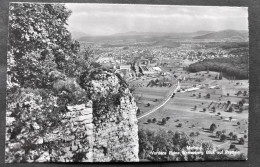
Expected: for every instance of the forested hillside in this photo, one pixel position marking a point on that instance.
(233, 67)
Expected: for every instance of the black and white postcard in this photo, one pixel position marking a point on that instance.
(93, 82)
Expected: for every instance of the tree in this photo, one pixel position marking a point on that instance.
(241, 141)
(213, 127)
(232, 147)
(208, 96)
(138, 112)
(230, 134)
(231, 109)
(148, 104)
(214, 109)
(218, 133)
(223, 138)
(154, 120)
(234, 137)
(149, 121)
(179, 125)
(163, 121)
(240, 103)
(39, 42)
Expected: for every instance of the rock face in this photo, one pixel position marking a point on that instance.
(116, 134)
(102, 130)
(114, 118)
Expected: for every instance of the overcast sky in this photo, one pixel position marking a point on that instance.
(107, 19)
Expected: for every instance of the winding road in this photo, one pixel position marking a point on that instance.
(168, 97)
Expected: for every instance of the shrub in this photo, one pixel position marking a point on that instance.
(197, 133)
(179, 125)
(167, 118)
(148, 104)
(238, 123)
(245, 136)
(192, 134)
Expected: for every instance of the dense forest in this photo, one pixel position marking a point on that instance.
(234, 67)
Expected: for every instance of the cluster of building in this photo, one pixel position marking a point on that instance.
(134, 61)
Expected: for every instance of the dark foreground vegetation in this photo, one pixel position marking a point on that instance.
(164, 145)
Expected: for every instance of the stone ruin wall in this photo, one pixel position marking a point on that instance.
(108, 140)
(116, 136)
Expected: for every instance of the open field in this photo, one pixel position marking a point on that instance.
(152, 95)
(181, 109)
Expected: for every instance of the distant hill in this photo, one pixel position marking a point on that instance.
(226, 34)
(77, 34)
(161, 36)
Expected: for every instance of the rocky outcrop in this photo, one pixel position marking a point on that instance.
(116, 133)
(103, 129)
